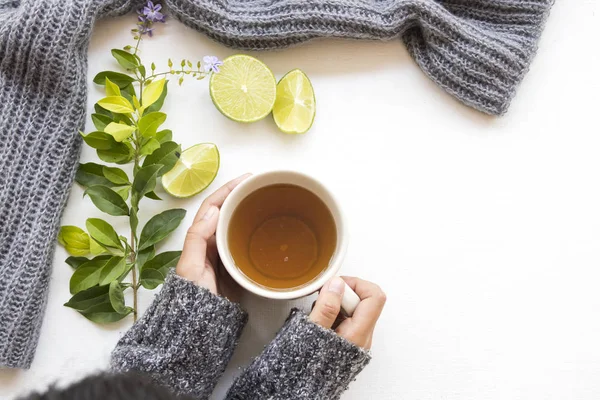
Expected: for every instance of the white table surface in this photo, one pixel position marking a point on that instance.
(484, 232)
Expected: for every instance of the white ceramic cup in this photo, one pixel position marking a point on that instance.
(255, 182)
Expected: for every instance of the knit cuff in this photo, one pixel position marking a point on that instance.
(304, 361)
(184, 340)
(478, 51)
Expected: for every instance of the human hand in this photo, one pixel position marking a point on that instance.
(199, 261)
(359, 328)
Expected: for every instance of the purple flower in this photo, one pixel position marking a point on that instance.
(211, 63)
(151, 13)
(146, 30)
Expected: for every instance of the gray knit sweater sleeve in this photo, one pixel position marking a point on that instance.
(304, 361)
(43, 46)
(184, 340)
(477, 50)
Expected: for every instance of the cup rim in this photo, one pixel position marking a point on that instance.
(231, 203)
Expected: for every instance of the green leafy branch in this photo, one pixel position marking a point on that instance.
(127, 123)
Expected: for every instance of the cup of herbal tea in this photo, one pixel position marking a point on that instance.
(282, 235)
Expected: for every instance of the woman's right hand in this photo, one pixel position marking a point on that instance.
(359, 328)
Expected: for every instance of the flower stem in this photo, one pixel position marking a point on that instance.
(173, 72)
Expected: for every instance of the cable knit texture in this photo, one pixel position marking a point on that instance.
(477, 50)
(187, 337)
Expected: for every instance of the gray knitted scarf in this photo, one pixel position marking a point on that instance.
(477, 50)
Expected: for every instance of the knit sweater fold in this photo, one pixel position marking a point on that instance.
(477, 50)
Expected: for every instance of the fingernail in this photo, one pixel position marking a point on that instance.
(336, 285)
(209, 213)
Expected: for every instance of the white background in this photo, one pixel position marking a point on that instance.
(483, 231)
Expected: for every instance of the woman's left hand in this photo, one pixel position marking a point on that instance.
(199, 260)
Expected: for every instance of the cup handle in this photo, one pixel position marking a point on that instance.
(349, 301)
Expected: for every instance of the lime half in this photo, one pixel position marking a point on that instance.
(194, 171)
(295, 107)
(244, 89)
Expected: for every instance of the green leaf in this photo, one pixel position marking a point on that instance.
(117, 299)
(157, 105)
(96, 248)
(150, 122)
(125, 59)
(152, 195)
(107, 200)
(90, 174)
(118, 131)
(162, 263)
(115, 175)
(164, 136)
(100, 121)
(144, 181)
(112, 89)
(85, 299)
(114, 268)
(104, 313)
(144, 255)
(142, 70)
(74, 240)
(123, 191)
(102, 232)
(99, 140)
(118, 78)
(166, 155)
(160, 226)
(149, 147)
(152, 93)
(116, 104)
(88, 274)
(121, 153)
(76, 262)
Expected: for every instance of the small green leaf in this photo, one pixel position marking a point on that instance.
(116, 104)
(123, 191)
(76, 262)
(152, 278)
(114, 268)
(118, 78)
(102, 232)
(153, 196)
(166, 155)
(125, 59)
(160, 226)
(162, 263)
(156, 106)
(180, 80)
(152, 93)
(104, 313)
(149, 123)
(85, 299)
(117, 299)
(99, 140)
(100, 121)
(88, 274)
(120, 153)
(170, 63)
(90, 174)
(144, 255)
(119, 132)
(115, 175)
(136, 102)
(149, 147)
(164, 136)
(107, 200)
(153, 66)
(142, 70)
(112, 89)
(75, 241)
(144, 181)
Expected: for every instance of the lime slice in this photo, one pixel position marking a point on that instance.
(295, 107)
(194, 171)
(244, 89)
